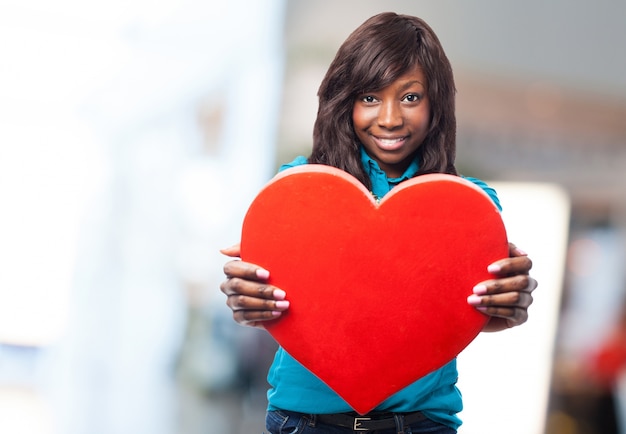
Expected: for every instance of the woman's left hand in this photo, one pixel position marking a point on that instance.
(506, 299)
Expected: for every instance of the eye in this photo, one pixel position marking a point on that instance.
(413, 97)
(368, 99)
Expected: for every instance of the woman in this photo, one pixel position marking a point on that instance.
(386, 114)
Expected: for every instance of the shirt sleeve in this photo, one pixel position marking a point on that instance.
(490, 191)
(298, 161)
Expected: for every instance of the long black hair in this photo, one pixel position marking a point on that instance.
(378, 52)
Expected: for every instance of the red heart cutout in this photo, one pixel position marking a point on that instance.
(378, 292)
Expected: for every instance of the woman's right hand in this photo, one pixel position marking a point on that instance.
(252, 300)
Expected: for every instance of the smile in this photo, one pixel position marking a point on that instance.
(390, 144)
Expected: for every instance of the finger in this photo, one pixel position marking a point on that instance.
(253, 303)
(503, 318)
(233, 251)
(532, 285)
(255, 318)
(520, 282)
(245, 270)
(505, 312)
(511, 266)
(515, 251)
(249, 288)
(243, 302)
(508, 300)
(515, 315)
(252, 310)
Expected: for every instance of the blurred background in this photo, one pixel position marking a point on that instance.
(134, 134)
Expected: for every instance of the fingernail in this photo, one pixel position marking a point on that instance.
(282, 304)
(521, 252)
(276, 313)
(279, 294)
(480, 289)
(482, 309)
(474, 300)
(262, 274)
(494, 268)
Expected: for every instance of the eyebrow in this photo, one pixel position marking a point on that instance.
(411, 83)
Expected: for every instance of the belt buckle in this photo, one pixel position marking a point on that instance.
(357, 423)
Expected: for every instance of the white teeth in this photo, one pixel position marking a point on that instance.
(389, 141)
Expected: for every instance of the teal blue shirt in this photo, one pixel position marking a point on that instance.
(295, 388)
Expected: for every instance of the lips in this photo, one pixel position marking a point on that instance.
(389, 143)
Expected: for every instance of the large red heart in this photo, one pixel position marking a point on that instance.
(378, 292)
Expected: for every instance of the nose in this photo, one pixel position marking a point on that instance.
(390, 115)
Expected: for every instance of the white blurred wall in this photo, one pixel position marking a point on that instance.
(113, 197)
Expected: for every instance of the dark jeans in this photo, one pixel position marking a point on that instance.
(287, 422)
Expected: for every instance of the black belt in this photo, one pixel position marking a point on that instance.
(369, 422)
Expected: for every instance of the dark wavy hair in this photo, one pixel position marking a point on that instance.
(382, 49)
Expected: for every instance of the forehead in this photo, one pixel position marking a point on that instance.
(412, 76)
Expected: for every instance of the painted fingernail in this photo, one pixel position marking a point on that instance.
(521, 252)
(474, 300)
(282, 304)
(482, 309)
(480, 289)
(262, 274)
(279, 294)
(276, 313)
(494, 268)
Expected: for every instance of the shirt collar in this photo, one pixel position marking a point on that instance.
(381, 185)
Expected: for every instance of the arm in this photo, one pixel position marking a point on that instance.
(249, 296)
(507, 298)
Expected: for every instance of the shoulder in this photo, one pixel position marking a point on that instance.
(298, 161)
(489, 190)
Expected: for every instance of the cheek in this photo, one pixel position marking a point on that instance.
(421, 119)
(361, 117)
(356, 117)
(360, 123)
(427, 115)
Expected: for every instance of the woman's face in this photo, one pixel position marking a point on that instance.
(392, 122)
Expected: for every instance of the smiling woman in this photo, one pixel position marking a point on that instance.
(385, 116)
(388, 50)
(392, 122)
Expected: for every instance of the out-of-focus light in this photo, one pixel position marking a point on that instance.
(543, 99)
(585, 254)
(23, 411)
(46, 177)
(519, 360)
